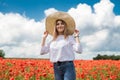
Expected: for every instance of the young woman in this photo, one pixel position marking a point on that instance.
(63, 45)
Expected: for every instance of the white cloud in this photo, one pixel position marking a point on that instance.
(117, 21)
(82, 15)
(95, 40)
(49, 11)
(104, 15)
(14, 26)
(24, 49)
(99, 27)
(91, 55)
(20, 36)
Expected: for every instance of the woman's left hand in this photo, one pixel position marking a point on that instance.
(76, 32)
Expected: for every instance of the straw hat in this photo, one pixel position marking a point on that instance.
(51, 19)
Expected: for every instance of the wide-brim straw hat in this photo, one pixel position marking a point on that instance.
(51, 19)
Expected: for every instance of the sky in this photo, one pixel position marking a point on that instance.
(22, 23)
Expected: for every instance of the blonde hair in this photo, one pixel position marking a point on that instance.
(65, 32)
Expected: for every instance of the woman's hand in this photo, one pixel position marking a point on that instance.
(45, 34)
(76, 33)
(44, 38)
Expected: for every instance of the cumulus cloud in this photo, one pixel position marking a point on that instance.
(15, 27)
(99, 27)
(82, 15)
(92, 42)
(90, 55)
(117, 21)
(104, 14)
(49, 11)
(20, 36)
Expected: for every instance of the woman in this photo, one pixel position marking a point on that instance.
(61, 48)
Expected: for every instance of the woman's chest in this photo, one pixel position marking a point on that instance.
(59, 44)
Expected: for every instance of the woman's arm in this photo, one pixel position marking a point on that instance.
(77, 46)
(44, 48)
(76, 36)
(44, 38)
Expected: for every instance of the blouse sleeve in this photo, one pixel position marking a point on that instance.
(45, 49)
(76, 46)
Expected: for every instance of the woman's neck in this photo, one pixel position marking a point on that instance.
(60, 33)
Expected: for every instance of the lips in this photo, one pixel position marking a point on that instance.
(60, 27)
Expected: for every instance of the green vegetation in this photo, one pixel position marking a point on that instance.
(2, 53)
(106, 57)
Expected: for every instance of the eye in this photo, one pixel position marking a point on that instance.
(57, 24)
(62, 23)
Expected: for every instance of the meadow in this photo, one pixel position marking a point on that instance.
(39, 69)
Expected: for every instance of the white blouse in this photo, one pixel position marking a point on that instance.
(61, 49)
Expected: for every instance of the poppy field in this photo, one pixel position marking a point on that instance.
(36, 69)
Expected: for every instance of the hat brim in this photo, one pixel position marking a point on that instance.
(51, 19)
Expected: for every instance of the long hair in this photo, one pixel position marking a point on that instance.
(56, 33)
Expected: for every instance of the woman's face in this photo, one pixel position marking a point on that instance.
(60, 26)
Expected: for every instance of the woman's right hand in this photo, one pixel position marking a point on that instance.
(45, 34)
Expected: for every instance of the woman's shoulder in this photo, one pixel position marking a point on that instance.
(71, 37)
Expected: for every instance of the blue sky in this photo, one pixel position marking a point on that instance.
(22, 23)
(35, 8)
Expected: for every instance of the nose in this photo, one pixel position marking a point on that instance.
(60, 24)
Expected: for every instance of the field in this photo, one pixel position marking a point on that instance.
(36, 69)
